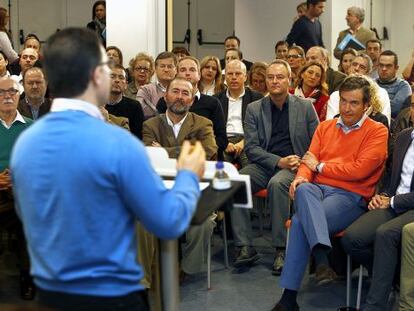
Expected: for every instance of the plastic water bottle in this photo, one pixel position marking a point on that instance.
(221, 180)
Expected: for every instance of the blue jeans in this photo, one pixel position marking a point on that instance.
(320, 212)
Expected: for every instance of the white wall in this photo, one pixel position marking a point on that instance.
(136, 26)
(260, 24)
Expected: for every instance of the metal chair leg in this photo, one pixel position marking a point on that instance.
(348, 281)
(209, 264)
(358, 304)
(226, 254)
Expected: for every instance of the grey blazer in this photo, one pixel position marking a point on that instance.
(303, 121)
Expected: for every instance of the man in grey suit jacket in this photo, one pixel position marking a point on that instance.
(278, 132)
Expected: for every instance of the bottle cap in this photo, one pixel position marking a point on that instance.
(219, 165)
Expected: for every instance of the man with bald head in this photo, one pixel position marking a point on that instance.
(28, 58)
(277, 131)
(333, 78)
(234, 102)
(12, 124)
(34, 104)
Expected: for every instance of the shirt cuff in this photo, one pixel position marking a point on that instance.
(392, 202)
(319, 167)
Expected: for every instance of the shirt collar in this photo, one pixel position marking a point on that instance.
(29, 103)
(18, 118)
(340, 123)
(197, 94)
(234, 99)
(170, 123)
(64, 104)
(412, 134)
(160, 86)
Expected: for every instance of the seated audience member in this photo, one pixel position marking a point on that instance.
(210, 81)
(141, 69)
(3, 66)
(329, 190)
(407, 269)
(12, 124)
(405, 119)
(408, 72)
(374, 49)
(98, 23)
(233, 42)
(149, 95)
(80, 225)
(180, 52)
(311, 85)
(355, 17)
(115, 55)
(122, 106)
(275, 140)
(257, 78)
(374, 239)
(169, 131)
(33, 42)
(27, 60)
(34, 104)
(281, 50)
(234, 102)
(296, 59)
(307, 30)
(300, 10)
(333, 78)
(361, 65)
(398, 89)
(231, 54)
(204, 105)
(345, 60)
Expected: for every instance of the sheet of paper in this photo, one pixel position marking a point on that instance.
(170, 183)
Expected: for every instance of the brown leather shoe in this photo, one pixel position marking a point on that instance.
(324, 275)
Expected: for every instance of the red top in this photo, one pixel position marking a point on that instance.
(353, 161)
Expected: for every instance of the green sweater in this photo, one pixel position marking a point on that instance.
(7, 139)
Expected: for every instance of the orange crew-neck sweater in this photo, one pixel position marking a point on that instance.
(353, 161)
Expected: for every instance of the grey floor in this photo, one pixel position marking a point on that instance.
(242, 290)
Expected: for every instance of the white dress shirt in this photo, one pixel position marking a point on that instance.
(234, 116)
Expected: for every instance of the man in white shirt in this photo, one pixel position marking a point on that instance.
(234, 102)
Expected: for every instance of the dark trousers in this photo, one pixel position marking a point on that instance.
(135, 301)
(374, 240)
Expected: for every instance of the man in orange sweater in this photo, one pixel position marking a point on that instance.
(337, 176)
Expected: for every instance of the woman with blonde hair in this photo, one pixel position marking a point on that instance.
(310, 84)
(257, 78)
(211, 80)
(5, 38)
(141, 69)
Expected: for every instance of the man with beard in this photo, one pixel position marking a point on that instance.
(169, 130)
(34, 104)
(122, 106)
(203, 105)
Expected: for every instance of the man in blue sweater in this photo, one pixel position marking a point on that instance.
(307, 30)
(80, 183)
(399, 90)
